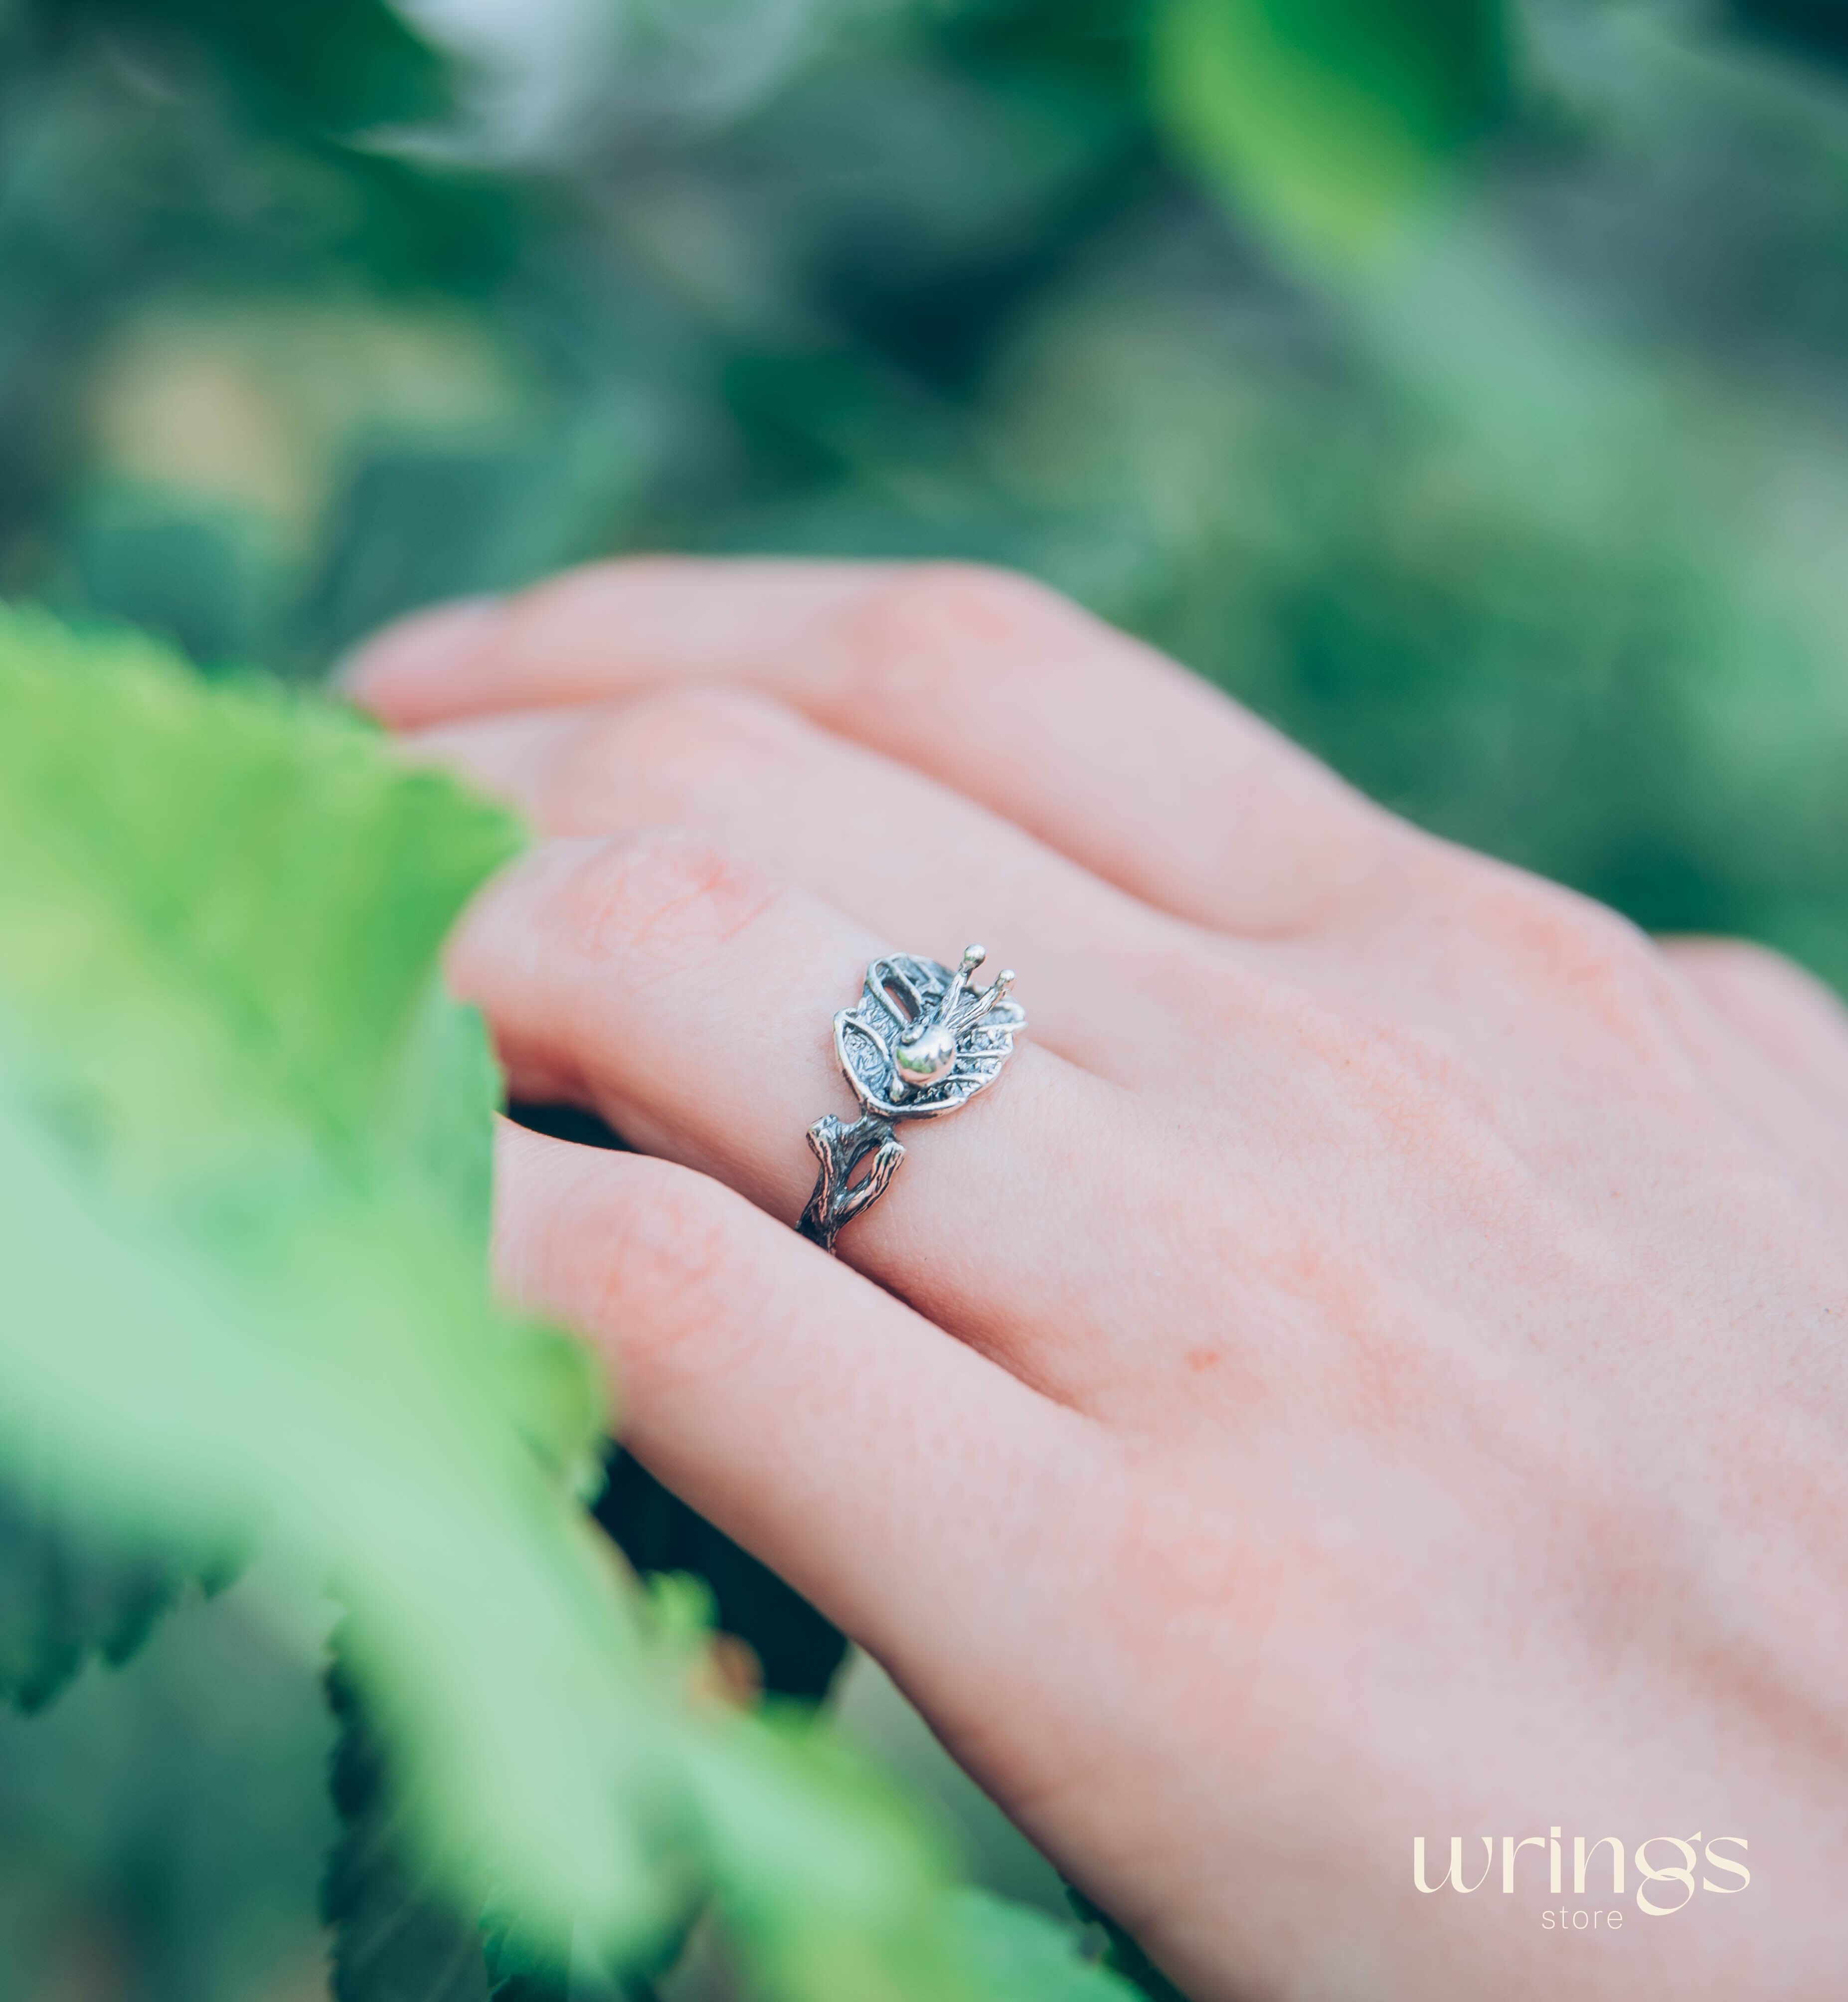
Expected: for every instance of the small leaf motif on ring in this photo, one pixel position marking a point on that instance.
(922, 1040)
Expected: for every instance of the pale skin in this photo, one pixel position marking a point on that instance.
(1373, 1365)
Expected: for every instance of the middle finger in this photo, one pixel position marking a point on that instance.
(904, 855)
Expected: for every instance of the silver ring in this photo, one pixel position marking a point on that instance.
(920, 1043)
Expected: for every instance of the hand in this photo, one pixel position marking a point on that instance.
(1372, 1366)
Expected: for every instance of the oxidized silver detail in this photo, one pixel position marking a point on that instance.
(920, 1042)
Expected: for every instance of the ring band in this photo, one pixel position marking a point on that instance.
(920, 1043)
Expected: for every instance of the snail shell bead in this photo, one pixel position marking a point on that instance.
(926, 1057)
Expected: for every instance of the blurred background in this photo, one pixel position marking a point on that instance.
(1463, 384)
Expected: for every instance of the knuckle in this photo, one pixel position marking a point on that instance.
(1750, 992)
(530, 617)
(928, 612)
(568, 610)
(673, 892)
(672, 728)
(1588, 960)
(669, 1268)
(1741, 963)
(670, 1272)
(586, 586)
(1353, 864)
(1409, 1092)
(677, 743)
(1739, 959)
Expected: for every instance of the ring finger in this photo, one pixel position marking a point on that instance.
(689, 1001)
(889, 847)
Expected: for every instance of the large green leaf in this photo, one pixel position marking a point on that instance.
(67, 1595)
(398, 1934)
(243, 1212)
(241, 1283)
(1334, 122)
(1024, 1952)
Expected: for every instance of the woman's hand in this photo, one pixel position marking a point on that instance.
(1373, 1366)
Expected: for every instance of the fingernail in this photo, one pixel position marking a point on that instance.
(412, 648)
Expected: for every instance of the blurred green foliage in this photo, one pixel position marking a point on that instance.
(245, 1143)
(1459, 384)
(1333, 119)
(1462, 386)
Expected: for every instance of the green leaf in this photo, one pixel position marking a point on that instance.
(243, 1143)
(1334, 123)
(1023, 1954)
(1122, 1954)
(240, 1287)
(398, 1937)
(399, 1934)
(68, 1595)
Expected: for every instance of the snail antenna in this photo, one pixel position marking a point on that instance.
(973, 956)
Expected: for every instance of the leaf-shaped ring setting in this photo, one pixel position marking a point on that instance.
(920, 1042)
